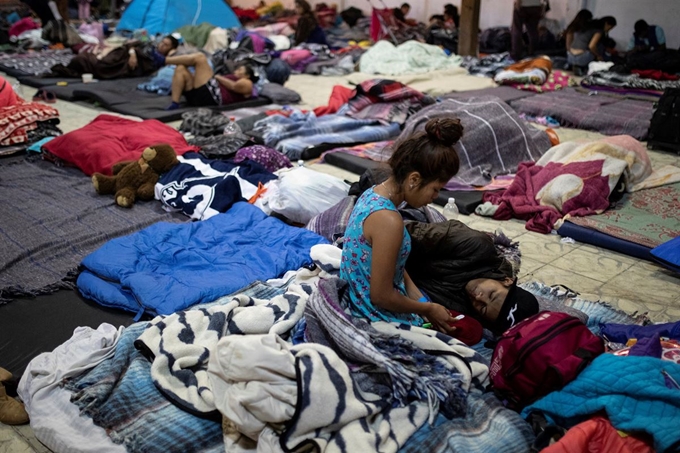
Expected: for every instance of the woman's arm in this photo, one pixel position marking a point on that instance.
(569, 37)
(411, 288)
(241, 86)
(385, 231)
(593, 45)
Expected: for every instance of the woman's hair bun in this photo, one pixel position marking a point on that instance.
(446, 131)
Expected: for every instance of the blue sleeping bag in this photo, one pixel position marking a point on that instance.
(169, 267)
(668, 254)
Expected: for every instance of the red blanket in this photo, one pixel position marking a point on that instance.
(339, 97)
(543, 195)
(16, 120)
(111, 139)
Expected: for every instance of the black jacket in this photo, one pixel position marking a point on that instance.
(446, 256)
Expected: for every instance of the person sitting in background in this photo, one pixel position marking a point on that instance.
(647, 50)
(579, 24)
(401, 12)
(436, 21)
(308, 29)
(451, 17)
(647, 38)
(588, 44)
(204, 88)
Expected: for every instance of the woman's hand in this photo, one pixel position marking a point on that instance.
(439, 317)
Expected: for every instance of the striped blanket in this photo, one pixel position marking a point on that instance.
(17, 120)
(333, 392)
(180, 345)
(120, 396)
(51, 219)
(495, 139)
(487, 426)
(604, 114)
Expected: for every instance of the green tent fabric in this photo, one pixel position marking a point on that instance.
(196, 35)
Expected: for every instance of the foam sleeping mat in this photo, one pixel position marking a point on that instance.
(12, 71)
(466, 201)
(55, 316)
(593, 237)
(122, 96)
(65, 93)
(40, 82)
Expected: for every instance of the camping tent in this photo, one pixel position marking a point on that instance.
(166, 16)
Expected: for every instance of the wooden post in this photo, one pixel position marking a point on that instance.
(468, 36)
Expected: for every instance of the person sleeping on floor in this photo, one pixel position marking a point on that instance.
(195, 79)
(134, 59)
(428, 274)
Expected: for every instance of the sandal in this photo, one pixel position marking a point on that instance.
(45, 96)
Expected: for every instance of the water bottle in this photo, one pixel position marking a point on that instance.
(451, 210)
(232, 129)
(300, 163)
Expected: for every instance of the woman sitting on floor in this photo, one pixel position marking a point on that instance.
(308, 29)
(205, 88)
(376, 244)
(588, 44)
(579, 23)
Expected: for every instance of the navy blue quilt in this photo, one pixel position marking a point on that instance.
(169, 267)
(201, 187)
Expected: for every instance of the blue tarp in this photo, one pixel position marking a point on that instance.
(166, 16)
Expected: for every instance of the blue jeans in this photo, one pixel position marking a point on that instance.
(580, 60)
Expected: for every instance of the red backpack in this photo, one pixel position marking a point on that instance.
(539, 355)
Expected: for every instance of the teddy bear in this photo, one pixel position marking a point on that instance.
(133, 180)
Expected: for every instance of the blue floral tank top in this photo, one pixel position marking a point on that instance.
(355, 267)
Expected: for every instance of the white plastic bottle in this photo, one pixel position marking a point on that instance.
(232, 129)
(451, 210)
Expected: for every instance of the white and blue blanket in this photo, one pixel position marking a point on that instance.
(202, 188)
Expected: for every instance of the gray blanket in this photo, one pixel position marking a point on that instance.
(592, 112)
(495, 139)
(50, 218)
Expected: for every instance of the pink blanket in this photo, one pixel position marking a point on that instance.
(543, 195)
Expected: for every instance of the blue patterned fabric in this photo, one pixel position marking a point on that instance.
(631, 390)
(121, 397)
(486, 422)
(355, 267)
(292, 135)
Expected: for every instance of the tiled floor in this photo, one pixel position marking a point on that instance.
(597, 274)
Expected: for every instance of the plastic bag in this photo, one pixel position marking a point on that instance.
(303, 193)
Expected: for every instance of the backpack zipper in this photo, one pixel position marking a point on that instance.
(535, 343)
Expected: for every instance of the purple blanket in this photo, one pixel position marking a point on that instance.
(604, 114)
